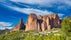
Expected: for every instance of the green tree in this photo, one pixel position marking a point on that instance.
(66, 25)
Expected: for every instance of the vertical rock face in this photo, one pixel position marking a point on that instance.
(42, 23)
(40, 20)
(54, 21)
(46, 23)
(19, 26)
(44, 26)
(32, 23)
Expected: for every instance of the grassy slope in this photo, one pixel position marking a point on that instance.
(33, 35)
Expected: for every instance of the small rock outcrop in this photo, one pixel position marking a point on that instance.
(19, 26)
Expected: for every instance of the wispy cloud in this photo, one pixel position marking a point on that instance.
(31, 10)
(60, 14)
(39, 2)
(59, 5)
(35, 11)
(4, 25)
(44, 2)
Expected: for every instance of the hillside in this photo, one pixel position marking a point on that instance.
(33, 35)
(63, 33)
(4, 31)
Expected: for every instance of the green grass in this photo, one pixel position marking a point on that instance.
(33, 35)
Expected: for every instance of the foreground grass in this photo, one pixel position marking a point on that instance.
(34, 35)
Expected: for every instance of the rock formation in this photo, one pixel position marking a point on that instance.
(40, 20)
(42, 23)
(43, 26)
(32, 22)
(54, 20)
(19, 26)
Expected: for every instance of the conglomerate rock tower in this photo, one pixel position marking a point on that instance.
(40, 23)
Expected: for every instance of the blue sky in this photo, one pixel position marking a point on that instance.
(12, 10)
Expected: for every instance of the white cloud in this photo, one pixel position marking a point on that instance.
(60, 14)
(59, 4)
(44, 2)
(4, 25)
(32, 10)
(35, 11)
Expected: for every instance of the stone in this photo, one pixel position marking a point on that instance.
(40, 20)
(49, 27)
(32, 23)
(39, 27)
(44, 26)
(42, 23)
(19, 26)
(48, 23)
(56, 20)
